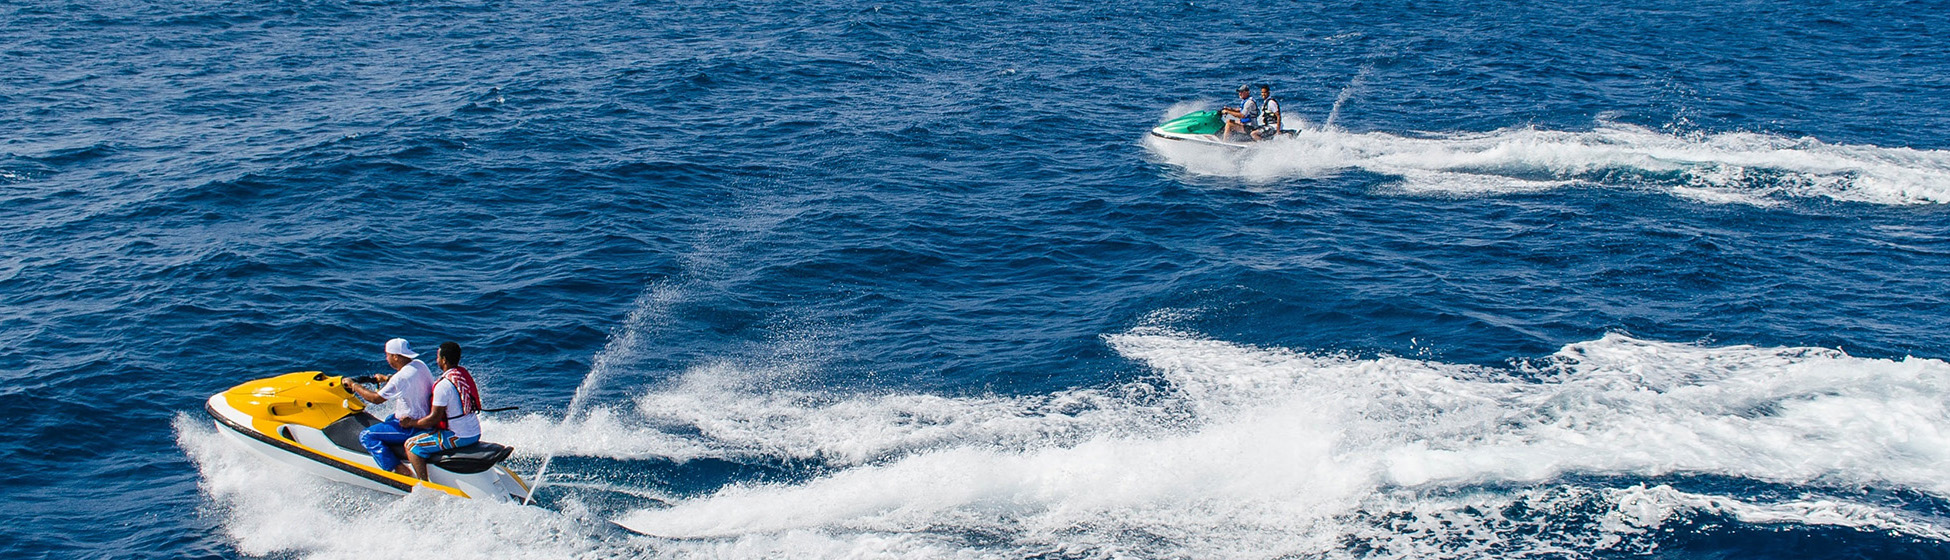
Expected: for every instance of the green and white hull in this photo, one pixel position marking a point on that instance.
(1201, 127)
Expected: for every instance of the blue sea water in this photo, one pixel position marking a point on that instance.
(848, 279)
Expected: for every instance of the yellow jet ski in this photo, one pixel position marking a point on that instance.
(310, 421)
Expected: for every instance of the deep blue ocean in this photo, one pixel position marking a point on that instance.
(1609, 279)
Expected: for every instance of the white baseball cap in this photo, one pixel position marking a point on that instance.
(399, 346)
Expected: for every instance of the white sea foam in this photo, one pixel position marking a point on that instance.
(1645, 507)
(736, 411)
(1274, 450)
(1615, 405)
(1731, 167)
(1230, 451)
(269, 510)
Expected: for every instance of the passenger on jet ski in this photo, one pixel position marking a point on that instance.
(454, 420)
(1241, 119)
(411, 389)
(1269, 114)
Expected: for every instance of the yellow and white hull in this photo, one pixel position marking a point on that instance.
(285, 419)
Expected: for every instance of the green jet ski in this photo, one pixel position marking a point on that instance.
(1201, 127)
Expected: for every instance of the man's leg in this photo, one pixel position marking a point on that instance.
(413, 452)
(376, 439)
(1241, 126)
(428, 443)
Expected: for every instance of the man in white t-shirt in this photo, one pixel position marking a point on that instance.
(454, 421)
(1269, 115)
(410, 389)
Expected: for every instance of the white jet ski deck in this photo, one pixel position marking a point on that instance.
(309, 421)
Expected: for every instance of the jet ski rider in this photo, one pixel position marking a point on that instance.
(455, 421)
(1241, 119)
(1269, 114)
(411, 389)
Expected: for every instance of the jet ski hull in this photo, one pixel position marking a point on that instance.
(1199, 139)
(285, 419)
(1200, 128)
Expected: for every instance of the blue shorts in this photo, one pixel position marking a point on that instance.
(429, 443)
(377, 438)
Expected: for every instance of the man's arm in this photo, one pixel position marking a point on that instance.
(430, 422)
(368, 394)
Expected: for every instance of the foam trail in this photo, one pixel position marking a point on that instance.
(737, 413)
(1651, 507)
(274, 512)
(1231, 450)
(1240, 450)
(1616, 405)
(1730, 167)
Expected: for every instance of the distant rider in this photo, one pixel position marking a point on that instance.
(454, 420)
(1241, 119)
(1269, 114)
(411, 389)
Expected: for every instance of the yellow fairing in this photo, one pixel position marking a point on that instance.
(306, 398)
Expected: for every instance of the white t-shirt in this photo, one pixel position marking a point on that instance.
(410, 390)
(444, 394)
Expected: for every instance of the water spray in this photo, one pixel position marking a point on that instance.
(1347, 92)
(651, 303)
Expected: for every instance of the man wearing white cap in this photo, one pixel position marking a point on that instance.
(411, 391)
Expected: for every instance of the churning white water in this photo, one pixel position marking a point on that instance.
(1230, 450)
(1728, 167)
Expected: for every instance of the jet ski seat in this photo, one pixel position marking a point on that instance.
(345, 432)
(471, 459)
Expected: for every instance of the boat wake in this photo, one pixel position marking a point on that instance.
(1730, 167)
(1227, 450)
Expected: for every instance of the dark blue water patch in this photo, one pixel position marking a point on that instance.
(1721, 538)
